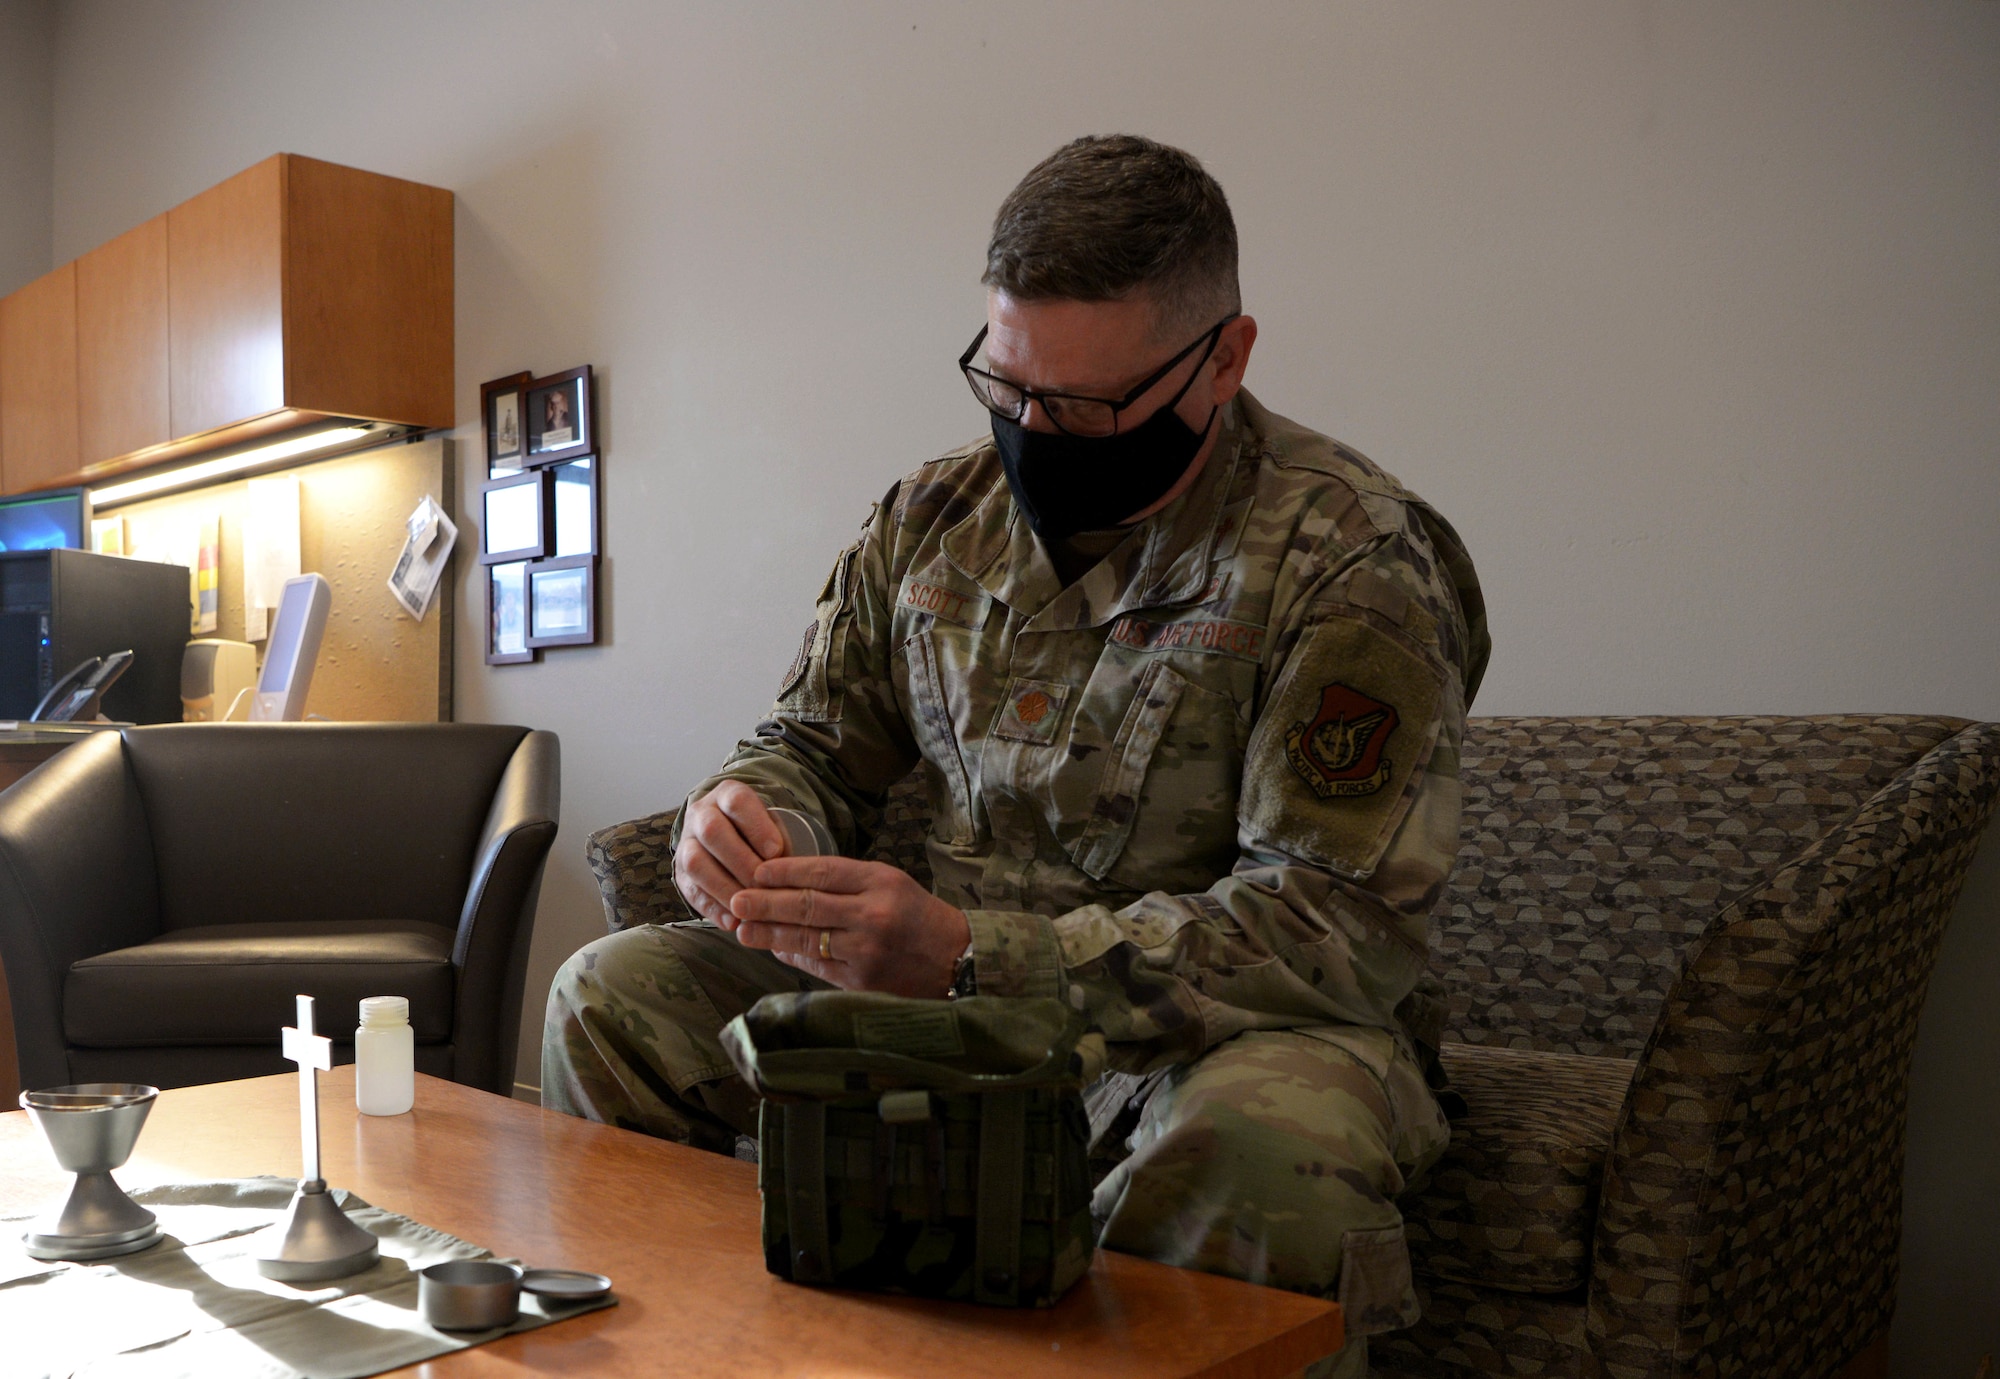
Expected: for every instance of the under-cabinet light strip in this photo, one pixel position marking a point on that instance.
(226, 464)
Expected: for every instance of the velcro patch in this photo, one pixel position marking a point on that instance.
(800, 661)
(1032, 711)
(924, 1032)
(942, 602)
(1210, 635)
(809, 694)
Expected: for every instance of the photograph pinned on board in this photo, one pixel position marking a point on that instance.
(559, 417)
(429, 536)
(503, 404)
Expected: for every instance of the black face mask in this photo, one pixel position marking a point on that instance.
(1065, 484)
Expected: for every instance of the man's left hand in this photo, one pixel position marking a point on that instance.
(865, 926)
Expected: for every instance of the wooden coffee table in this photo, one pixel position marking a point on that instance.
(676, 1229)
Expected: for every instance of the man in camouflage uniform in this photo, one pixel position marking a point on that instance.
(1194, 771)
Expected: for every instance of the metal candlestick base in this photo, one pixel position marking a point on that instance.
(92, 1127)
(315, 1241)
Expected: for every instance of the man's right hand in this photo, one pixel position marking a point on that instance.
(728, 833)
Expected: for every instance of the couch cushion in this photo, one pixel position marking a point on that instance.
(235, 983)
(1513, 1201)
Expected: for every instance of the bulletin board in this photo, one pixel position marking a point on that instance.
(377, 663)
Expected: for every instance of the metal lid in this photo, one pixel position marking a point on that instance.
(569, 1285)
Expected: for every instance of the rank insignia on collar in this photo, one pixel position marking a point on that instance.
(1339, 753)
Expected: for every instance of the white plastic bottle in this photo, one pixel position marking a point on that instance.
(385, 1057)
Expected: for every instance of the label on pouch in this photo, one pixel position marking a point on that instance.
(931, 1033)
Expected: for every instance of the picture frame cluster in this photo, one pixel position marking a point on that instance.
(538, 508)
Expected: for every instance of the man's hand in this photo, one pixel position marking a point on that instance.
(728, 834)
(865, 926)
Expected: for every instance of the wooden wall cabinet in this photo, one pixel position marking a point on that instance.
(38, 417)
(295, 291)
(226, 283)
(121, 334)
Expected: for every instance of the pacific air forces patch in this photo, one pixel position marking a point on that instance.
(1341, 751)
(1332, 761)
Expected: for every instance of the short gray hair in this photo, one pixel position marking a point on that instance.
(1106, 216)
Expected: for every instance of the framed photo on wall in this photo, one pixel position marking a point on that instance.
(575, 505)
(507, 615)
(559, 420)
(514, 518)
(562, 601)
(503, 415)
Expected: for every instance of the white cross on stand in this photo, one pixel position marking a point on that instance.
(314, 1055)
(315, 1240)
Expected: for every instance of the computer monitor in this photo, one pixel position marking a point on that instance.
(292, 650)
(45, 521)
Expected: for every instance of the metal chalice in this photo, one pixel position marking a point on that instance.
(91, 1127)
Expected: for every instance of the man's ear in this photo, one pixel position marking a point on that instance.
(1232, 356)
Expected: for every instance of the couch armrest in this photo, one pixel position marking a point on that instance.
(497, 924)
(77, 878)
(1751, 1208)
(634, 866)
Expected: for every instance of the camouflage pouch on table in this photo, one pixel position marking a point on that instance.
(927, 1147)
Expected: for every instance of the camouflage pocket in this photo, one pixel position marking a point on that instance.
(1376, 1292)
(930, 723)
(1165, 803)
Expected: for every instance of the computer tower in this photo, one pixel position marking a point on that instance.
(60, 607)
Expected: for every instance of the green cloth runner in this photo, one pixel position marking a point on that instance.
(194, 1305)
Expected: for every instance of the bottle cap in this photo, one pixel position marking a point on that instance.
(385, 1010)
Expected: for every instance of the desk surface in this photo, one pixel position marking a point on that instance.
(677, 1230)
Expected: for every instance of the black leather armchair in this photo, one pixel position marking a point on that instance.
(166, 891)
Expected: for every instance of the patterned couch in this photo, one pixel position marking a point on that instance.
(1685, 959)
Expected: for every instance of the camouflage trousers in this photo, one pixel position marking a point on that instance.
(1275, 1157)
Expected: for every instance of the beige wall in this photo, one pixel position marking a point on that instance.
(1688, 315)
(27, 140)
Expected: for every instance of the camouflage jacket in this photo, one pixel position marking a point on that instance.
(1210, 786)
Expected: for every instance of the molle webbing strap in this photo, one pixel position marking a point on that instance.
(1003, 1135)
(805, 1191)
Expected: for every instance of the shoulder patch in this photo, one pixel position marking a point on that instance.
(1334, 759)
(808, 694)
(1340, 752)
(800, 661)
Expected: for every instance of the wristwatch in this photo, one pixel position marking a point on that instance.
(963, 982)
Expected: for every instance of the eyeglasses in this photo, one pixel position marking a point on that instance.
(1072, 414)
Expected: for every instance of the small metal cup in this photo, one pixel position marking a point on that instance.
(806, 836)
(470, 1294)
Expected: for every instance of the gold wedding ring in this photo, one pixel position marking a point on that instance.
(826, 945)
